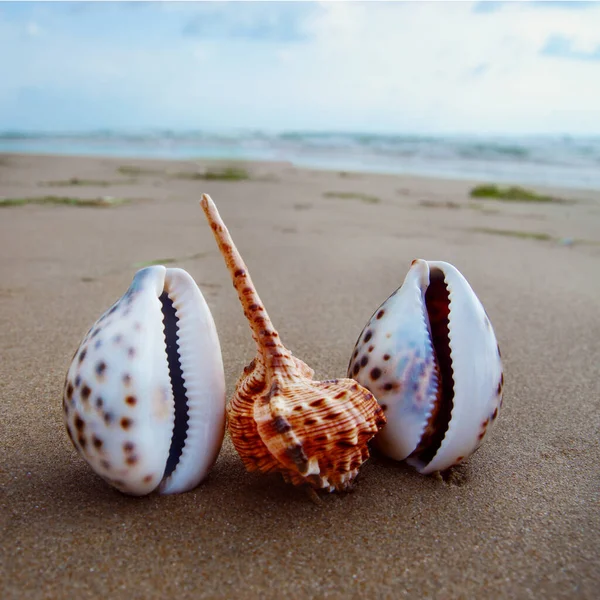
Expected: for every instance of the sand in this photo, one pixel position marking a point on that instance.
(520, 519)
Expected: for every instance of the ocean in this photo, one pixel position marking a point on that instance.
(562, 161)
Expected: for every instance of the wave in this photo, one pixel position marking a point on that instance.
(553, 160)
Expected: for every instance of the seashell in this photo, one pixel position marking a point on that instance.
(314, 433)
(430, 356)
(144, 398)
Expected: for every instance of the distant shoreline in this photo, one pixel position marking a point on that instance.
(459, 178)
(553, 161)
(264, 170)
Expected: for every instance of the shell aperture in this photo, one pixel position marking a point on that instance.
(314, 433)
(144, 398)
(430, 356)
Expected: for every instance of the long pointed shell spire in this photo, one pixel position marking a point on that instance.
(266, 337)
(280, 419)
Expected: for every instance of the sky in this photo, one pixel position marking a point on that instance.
(382, 67)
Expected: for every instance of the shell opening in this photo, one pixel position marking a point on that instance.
(180, 426)
(437, 303)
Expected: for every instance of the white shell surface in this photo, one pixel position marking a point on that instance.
(394, 358)
(119, 404)
(395, 363)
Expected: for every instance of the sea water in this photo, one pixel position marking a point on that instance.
(562, 161)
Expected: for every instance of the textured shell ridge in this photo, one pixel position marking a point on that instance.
(203, 380)
(474, 363)
(414, 461)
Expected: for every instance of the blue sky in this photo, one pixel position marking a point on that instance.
(453, 67)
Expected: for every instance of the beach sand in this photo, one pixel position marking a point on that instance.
(520, 519)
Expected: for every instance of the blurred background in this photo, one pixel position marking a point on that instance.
(500, 91)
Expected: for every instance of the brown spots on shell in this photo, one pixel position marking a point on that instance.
(298, 407)
(355, 369)
(131, 351)
(344, 444)
(97, 442)
(100, 369)
(364, 360)
(386, 357)
(240, 273)
(148, 478)
(460, 459)
(131, 400)
(371, 348)
(317, 403)
(380, 314)
(355, 353)
(79, 423)
(281, 425)
(310, 421)
(131, 460)
(108, 418)
(105, 465)
(274, 391)
(296, 454)
(99, 402)
(332, 416)
(82, 441)
(77, 381)
(256, 386)
(128, 447)
(126, 379)
(375, 373)
(340, 395)
(384, 407)
(368, 336)
(82, 355)
(85, 393)
(495, 414)
(126, 423)
(321, 438)
(69, 390)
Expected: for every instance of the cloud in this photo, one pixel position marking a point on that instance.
(559, 46)
(265, 22)
(486, 6)
(33, 29)
(414, 67)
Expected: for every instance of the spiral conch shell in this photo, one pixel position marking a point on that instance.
(314, 433)
(144, 398)
(430, 356)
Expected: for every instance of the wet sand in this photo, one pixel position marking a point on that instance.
(520, 519)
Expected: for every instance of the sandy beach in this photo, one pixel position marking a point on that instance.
(520, 519)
